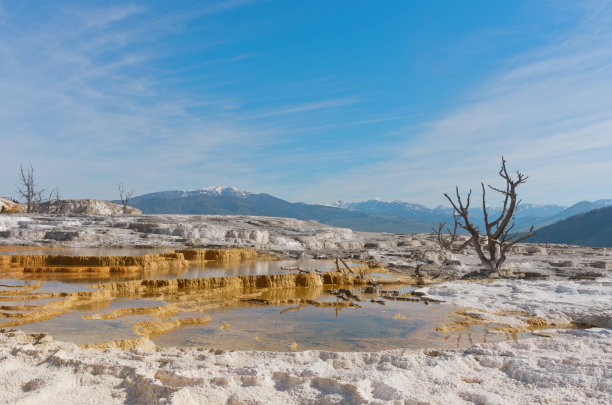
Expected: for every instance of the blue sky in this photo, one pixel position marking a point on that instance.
(308, 100)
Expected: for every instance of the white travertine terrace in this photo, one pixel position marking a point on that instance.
(559, 284)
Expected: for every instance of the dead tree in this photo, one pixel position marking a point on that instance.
(447, 242)
(444, 242)
(59, 202)
(498, 236)
(51, 201)
(27, 187)
(124, 196)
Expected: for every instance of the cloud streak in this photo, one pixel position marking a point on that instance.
(86, 107)
(549, 113)
(96, 96)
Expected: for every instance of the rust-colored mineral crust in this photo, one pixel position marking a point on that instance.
(183, 295)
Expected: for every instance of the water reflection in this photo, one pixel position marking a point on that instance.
(262, 319)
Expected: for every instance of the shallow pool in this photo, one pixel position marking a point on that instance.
(89, 308)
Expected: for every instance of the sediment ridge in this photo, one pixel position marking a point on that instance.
(182, 295)
(124, 264)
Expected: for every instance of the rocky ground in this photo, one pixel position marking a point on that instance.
(293, 238)
(7, 205)
(562, 369)
(552, 286)
(68, 207)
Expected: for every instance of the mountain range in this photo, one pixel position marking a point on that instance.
(373, 215)
(231, 201)
(526, 214)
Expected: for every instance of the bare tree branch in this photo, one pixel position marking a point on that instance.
(446, 243)
(124, 196)
(50, 199)
(498, 232)
(26, 187)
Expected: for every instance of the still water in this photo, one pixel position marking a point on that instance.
(281, 319)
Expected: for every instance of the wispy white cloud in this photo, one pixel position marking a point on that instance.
(301, 108)
(549, 113)
(82, 90)
(104, 16)
(82, 104)
(225, 6)
(81, 99)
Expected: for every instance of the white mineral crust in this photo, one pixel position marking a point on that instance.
(572, 366)
(561, 284)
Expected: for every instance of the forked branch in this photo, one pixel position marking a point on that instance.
(124, 196)
(498, 231)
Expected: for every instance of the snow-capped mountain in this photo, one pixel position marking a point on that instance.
(377, 203)
(525, 216)
(220, 200)
(392, 208)
(524, 210)
(371, 215)
(218, 191)
(213, 191)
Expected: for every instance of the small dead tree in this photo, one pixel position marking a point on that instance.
(447, 242)
(27, 187)
(51, 200)
(60, 203)
(444, 242)
(124, 196)
(498, 236)
(37, 206)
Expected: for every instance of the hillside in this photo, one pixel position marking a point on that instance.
(578, 208)
(370, 216)
(526, 214)
(230, 201)
(593, 228)
(395, 209)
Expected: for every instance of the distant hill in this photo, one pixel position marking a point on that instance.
(395, 209)
(526, 214)
(593, 228)
(230, 201)
(578, 208)
(372, 215)
(523, 210)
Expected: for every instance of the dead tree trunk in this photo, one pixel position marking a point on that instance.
(27, 187)
(444, 242)
(441, 238)
(124, 196)
(50, 200)
(447, 242)
(498, 236)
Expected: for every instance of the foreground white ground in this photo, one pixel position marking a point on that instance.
(559, 284)
(560, 302)
(571, 367)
